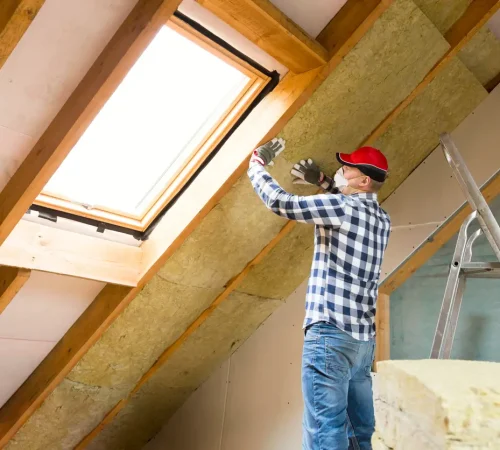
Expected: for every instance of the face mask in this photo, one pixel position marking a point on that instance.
(340, 180)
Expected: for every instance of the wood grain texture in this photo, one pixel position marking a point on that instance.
(47, 249)
(12, 280)
(266, 26)
(15, 18)
(382, 321)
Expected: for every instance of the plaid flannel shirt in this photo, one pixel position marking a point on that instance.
(351, 236)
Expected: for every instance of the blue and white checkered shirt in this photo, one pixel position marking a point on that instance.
(351, 236)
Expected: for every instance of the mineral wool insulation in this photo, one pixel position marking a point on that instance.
(382, 70)
(437, 405)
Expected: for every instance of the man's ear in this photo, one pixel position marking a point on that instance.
(366, 181)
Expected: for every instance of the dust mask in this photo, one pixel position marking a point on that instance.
(340, 181)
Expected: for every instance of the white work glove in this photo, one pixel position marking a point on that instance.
(265, 154)
(307, 172)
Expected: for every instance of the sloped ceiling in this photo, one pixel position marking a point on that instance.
(373, 79)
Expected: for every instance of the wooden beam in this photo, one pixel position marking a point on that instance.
(382, 321)
(47, 249)
(11, 281)
(422, 254)
(15, 18)
(99, 83)
(265, 25)
(476, 15)
(343, 24)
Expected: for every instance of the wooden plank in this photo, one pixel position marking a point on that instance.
(11, 281)
(265, 25)
(422, 254)
(15, 18)
(382, 320)
(47, 249)
(458, 36)
(493, 83)
(138, 30)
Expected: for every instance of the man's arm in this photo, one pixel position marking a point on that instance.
(327, 210)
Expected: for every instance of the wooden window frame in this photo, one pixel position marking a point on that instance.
(173, 184)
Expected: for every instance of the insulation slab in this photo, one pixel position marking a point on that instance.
(437, 404)
(482, 55)
(220, 335)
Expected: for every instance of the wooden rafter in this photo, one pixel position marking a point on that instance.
(277, 108)
(15, 18)
(11, 282)
(271, 30)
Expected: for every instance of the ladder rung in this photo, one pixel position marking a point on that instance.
(481, 269)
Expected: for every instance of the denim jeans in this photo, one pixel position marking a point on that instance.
(337, 390)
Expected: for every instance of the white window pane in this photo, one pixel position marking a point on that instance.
(167, 103)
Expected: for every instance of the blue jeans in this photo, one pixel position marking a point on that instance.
(337, 390)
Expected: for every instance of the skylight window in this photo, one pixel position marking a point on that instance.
(157, 128)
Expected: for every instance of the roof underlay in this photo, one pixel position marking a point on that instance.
(377, 75)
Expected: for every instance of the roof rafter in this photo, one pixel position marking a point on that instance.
(11, 282)
(265, 25)
(266, 121)
(15, 18)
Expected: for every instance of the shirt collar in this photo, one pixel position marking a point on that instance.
(366, 195)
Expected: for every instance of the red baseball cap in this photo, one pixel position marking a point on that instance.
(368, 160)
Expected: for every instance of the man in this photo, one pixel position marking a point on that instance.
(351, 236)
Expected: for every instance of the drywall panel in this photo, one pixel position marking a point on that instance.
(403, 242)
(264, 400)
(312, 16)
(232, 322)
(52, 57)
(217, 26)
(18, 359)
(482, 55)
(46, 306)
(198, 423)
(15, 147)
(379, 73)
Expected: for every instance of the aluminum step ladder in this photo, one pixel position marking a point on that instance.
(462, 266)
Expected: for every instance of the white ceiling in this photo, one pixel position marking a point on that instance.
(311, 15)
(494, 24)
